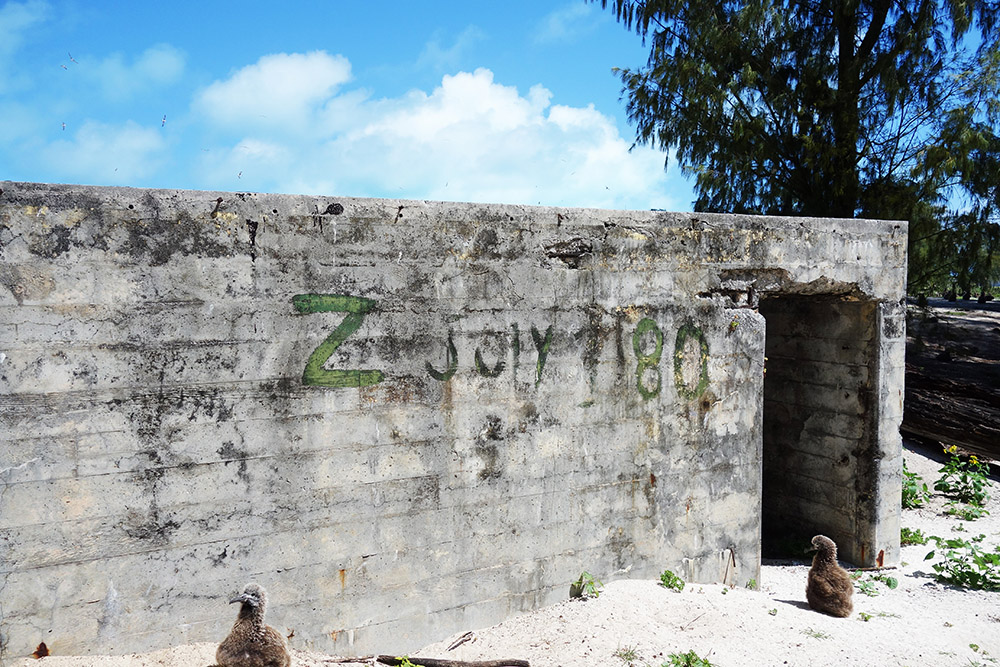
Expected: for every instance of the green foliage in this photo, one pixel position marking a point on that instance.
(867, 586)
(908, 536)
(966, 512)
(628, 655)
(815, 634)
(670, 580)
(586, 586)
(965, 481)
(752, 584)
(915, 492)
(689, 659)
(873, 109)
(965, 564)
(867, 617)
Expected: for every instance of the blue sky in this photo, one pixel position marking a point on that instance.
(510, 102)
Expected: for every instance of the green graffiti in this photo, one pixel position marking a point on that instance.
(683, 388)
(647, 361)
(356, 308)
(451, 358)
(485, 370)
(517, 349)
(542, 345)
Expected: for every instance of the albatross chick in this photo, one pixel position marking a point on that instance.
(829, 587)
(251, 643)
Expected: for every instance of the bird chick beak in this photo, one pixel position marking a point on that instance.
(239, 598)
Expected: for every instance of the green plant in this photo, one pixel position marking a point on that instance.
(586, 586)
(966, 512)
(628, 655)
(404, 661)
(752, 584)
(867, 586)
(965, 564)
(915, 491)
(773, 612)
(815, 634)
(670, 580)
(965, 481)
(689, 659)
(866, 617)
(976, 648)
(908, 536)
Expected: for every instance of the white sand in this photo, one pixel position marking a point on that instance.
(921, 622)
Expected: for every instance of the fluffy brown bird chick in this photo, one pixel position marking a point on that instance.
(251, 643)
(829, 588)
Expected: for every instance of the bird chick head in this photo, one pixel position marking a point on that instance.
(253, 595)
(822, 543)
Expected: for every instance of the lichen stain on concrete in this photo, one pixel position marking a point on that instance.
(486, 447)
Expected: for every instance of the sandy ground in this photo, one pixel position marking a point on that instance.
(921, 622)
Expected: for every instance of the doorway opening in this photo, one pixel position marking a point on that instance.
(819, 426)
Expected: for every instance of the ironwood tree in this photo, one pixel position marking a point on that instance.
(875, 108)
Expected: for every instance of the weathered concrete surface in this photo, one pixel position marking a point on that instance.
(411, 418)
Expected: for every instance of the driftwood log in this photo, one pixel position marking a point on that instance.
(437, 662)
(953, 412)
(428, 662)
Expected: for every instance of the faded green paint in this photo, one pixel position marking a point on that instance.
(485, 370)
(683, 388)
(542, 344)
(648, 361)
(356, 307)
(517, 349)
(451, 358)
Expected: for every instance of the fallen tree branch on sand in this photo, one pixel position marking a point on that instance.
(429, 662)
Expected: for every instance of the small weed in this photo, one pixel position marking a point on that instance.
(908, 537)
(966, 512)
(628, 655)
(866, 617)
(773, 612)
(752, 584)
(586, 586)
(964, 481)
(670, 580)
(966, 565)
(404, 661)
(915, 492)
(689, 659)
(976, 648)
(867, 586)
(815, 634)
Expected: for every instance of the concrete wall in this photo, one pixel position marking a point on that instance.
(404, 418)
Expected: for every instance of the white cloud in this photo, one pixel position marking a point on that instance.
(437, 57)
(105, 154)
(17, 19)
(279, 91)
(119, 79)
(564, 24)
(470, 139)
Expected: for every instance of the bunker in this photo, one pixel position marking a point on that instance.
(411, 418)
